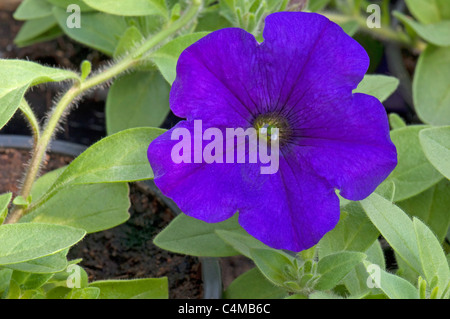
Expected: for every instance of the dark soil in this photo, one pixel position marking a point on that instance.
(126, 251)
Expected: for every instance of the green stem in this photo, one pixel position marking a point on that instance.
(385, 33)
(81, 87)
(31, 118)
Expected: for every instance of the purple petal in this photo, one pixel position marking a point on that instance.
(295, 208)
(218, 79)
(351, 148)
(308, 58)
(210, 192)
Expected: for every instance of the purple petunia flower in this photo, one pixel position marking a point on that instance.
(299, 80)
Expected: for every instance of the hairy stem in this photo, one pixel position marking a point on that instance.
(79, 88)
(385, 33)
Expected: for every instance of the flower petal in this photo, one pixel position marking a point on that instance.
(291, 209)
(210, 192)
(218, 79)
(307, 58)
(351, 148)
(295, 208)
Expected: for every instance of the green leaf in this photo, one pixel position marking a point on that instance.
(129, 7)
(37, 30)
(121, 157)
(167, 56)
(149, 288)
(431, 207)
(386, 189)
(43, 184)
(395, 226)
(350, 27)
(65, 3)
(393, 286)
(195, 237)
(334, 267)
(92, 207)
(275, 265)
(29, 281)
(99, 30)
(33, 9)
(429, 11)
(436, 145)
(241, 241)
(4, 202)
(434, 262)
(354, 232)
(86, 68)
(356, 280)
(396, 121)
(24, 242)
(324, 295)
(431, 88)
(5, 278)
(128, 41)
(435, 33)
(380, 86)
(45, 265)
(414, 173)
(317, 5)
(253, 285)
(16, 76)
(84, 293)
(135, 100)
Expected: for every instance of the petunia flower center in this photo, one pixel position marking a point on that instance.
(265, 124)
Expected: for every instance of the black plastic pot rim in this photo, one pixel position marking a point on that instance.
(211, 272)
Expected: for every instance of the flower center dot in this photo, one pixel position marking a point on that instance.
(264, 124)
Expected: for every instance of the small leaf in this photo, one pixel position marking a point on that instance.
(33, 9)
(396, 121)
(65, 3)
(354, 232)
(84, 293)
(431, 86)
(429, 11)
(167, 56)
(29, 281)
(139, 99)
(434, 262)
(24, 242)
(45, 265)
(129, 7)
(151, 288)
(435, 33)
(273, 264)
(20, 201)
(92, 207)
(121, 157)
(380, 86)
(436, 146)
(37, 30)
(128, 41)
(4, 202)
(414, 173)
(86, 68)
(253, 285)
(99, 30)
(5, 278)
(16, 76)
(334, 267)
(395, 226)
(431, 207)
(241, 241)
(195, 237)
(393, 286)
